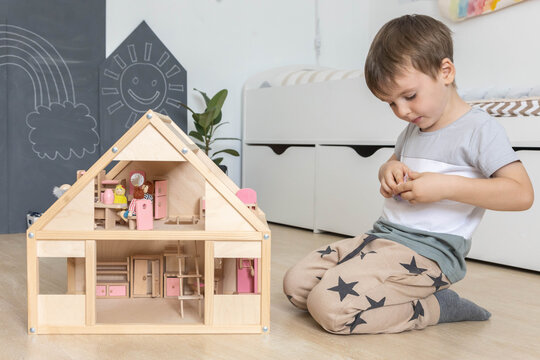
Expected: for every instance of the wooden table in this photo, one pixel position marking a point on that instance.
(108, 212)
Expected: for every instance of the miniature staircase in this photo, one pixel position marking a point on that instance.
(182, 262)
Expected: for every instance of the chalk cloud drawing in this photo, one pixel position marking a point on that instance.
(140, 74)
(59, 126)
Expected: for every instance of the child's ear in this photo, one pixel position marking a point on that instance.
(448, 71)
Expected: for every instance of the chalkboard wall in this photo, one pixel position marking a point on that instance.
(50, 52)
(140, 74)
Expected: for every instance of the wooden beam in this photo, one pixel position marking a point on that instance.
(32, 282)
(149, 235)
(90, 288)
(265, 282)
(151, 329)
(208, 283)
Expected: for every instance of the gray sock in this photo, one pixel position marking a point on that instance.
(455, 308)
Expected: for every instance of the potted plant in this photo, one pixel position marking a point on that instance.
(207, 122)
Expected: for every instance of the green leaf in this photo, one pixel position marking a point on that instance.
(217, 119)
(215, 104)
(206, 98)
(218, 160)
(218, 99)
(217, 126)
(228, 151)
(200, 129)
(196, 135)
(205, 119)
(187, 107)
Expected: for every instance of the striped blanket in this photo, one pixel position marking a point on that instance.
(509, 107)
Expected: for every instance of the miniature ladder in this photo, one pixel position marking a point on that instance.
(182, 259)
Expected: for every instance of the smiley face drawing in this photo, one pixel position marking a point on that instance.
(141, 74)
(143, 86)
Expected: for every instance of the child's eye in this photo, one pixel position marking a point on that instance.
(409, 98)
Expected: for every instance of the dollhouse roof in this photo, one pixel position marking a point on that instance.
(154, 137)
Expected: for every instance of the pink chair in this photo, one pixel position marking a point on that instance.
(144, 213)
(248, 197)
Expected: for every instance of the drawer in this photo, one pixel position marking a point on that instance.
(118, 290)
(315, 111)
(510, 237)
(172, 287)
(284, 183)
(348, 197)
(101, 290)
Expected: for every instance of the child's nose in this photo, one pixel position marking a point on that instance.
(402, 111)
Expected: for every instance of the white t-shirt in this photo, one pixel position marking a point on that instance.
(474, 146)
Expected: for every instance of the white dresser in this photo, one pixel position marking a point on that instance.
(313, 144)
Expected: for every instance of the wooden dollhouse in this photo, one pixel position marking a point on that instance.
(191, 258)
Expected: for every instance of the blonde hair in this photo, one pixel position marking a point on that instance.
(419, 41)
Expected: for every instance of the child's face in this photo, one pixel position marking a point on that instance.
(420, 99)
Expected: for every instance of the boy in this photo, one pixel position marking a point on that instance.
(450, 163)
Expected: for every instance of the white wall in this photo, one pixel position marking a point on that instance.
(493, 50)
(222, 43)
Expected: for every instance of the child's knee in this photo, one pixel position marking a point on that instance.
(325, 311)
(294, 287)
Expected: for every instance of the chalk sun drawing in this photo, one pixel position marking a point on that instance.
(137, 83)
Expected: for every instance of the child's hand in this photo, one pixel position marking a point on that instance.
(424, 187)
(391, 174)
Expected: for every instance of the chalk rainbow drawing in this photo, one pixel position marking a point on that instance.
(458, 10)
(58, 122)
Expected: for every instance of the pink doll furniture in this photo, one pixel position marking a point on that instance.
(248, 197)
(144, 213)
(246, 276)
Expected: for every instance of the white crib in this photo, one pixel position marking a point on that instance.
(335, 134)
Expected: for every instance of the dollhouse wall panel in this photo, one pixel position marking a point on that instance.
(237, 249)
(78, 214)
(220, 215)
(61, 310)
(61, 249)
(149, 145)
(244, 309)
(186, 186)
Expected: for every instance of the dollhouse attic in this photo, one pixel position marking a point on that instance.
(191, 255)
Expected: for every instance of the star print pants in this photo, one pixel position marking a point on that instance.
(366, 285)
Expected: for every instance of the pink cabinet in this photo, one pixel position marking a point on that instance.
(160, 199)
(173, 286)
(117, 290)
(101, 290)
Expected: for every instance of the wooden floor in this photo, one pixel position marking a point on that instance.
(512, 296)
